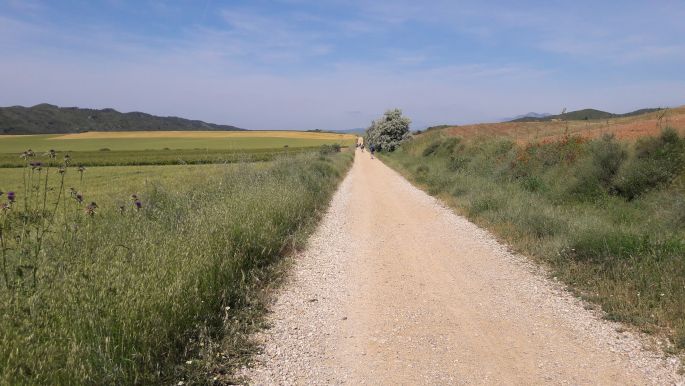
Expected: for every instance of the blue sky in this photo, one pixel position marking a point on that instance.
(335, 64)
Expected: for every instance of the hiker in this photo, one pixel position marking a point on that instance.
(372, 149)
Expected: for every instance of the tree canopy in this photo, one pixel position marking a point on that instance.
(388, 132)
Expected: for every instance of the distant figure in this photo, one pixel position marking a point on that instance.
(372, 149)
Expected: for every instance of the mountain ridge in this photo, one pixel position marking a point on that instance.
(584, 114)
(46, 118)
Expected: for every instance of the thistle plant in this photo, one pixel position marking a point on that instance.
(27, 219)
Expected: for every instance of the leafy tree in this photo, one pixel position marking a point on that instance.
(387, 132)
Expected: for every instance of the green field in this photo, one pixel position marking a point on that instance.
(241, 141)
(160, 157)
(166, 148)
(113, 184)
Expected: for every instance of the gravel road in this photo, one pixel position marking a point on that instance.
(394, 288)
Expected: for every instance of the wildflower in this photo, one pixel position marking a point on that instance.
(5, 207)
(78, 197)
(61, 170)
(10, 196)
(81, 169)
(27, 154)
(134, 197)
(138, 204)
(67, 159)
(51, 154)
(90, 208)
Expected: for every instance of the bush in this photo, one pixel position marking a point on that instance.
(329, 149)
(657, 161)
(430, 149)
(608, 156)
(594, 176)
(449, 145)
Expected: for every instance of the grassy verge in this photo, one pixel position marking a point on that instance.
(129, 295)
(607, 217)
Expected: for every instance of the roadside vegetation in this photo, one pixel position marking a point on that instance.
(127, 275)
(607, 216)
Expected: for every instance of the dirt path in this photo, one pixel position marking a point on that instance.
(396, 289)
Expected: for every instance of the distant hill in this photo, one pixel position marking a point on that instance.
(358, 131)
(583, 115)
(528, 115)
(50, 119)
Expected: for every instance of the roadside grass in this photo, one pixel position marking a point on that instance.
(608, 217)
(163, 293)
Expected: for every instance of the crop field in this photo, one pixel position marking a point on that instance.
(174, 140)
(116, 184)
(146, 274)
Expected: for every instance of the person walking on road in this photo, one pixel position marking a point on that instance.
(372, 149)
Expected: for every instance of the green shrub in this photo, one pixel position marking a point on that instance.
(608, 156)
(430, 149)
(657, 162)
(449, 145)
(329, 149)
(594, 175)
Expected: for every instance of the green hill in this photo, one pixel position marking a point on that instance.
(50, 119)
(585, 115)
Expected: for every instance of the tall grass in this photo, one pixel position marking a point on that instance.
(126, 295)
(606, 216)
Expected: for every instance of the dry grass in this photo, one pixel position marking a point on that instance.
(629, 128)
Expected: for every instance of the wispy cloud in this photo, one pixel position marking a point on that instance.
(338, 64)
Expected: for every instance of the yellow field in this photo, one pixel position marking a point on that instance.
(205, 135)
